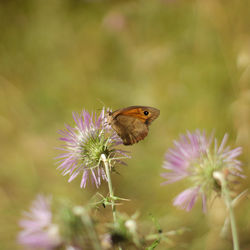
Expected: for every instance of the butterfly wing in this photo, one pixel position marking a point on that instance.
(130, 129)
(131, 123)
(139, 112)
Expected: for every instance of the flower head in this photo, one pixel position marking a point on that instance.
(38, 229)
(196, 157)
(84, 144)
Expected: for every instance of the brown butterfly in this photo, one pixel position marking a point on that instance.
(131, 123)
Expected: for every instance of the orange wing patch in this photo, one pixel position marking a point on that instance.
(137, 113)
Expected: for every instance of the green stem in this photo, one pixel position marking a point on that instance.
(111, 193)
(228, 202)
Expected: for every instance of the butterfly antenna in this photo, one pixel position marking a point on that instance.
(99, 100)
(107, 110)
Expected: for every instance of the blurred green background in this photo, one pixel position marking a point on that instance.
(190, 59)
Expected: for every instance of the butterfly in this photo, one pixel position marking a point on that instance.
(131, 123)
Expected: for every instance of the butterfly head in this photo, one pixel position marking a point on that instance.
(109, 117)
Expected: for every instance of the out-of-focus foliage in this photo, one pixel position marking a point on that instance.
(190, 59)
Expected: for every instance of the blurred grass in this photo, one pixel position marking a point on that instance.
(190, 59)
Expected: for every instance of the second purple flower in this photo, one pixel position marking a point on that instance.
(195, 157)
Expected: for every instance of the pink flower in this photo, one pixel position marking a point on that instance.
(38, 229)
(84, 144)
(195, 157)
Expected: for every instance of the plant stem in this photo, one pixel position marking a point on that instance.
(111, 192)
(228, 202)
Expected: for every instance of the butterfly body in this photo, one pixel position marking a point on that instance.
(131, 123)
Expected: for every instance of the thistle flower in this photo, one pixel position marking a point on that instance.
(84, 144)
(38, 229)
(196, 157)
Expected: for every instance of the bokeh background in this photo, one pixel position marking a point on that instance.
(190, 59)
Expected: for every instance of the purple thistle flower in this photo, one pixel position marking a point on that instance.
(196, 157)
(84, 144)
(38, 229)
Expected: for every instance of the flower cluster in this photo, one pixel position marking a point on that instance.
(196, 157)
(84, 144)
